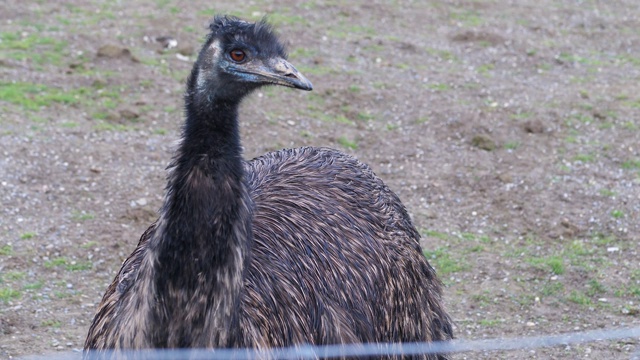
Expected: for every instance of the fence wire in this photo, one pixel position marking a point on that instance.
(369, 350)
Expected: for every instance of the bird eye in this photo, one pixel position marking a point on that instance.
(237, 55)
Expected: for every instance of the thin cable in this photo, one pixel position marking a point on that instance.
(357, 350)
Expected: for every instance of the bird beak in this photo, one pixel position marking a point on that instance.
(279, 71)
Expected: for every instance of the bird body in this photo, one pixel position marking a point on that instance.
(298, 246)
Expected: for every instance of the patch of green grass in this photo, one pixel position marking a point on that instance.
(435, 234)
(607, 192)
(634, 291)
(443, 55)
(439, 87)
(595, 288)
(521, 115)
(422, 120)
(511, 145)
(79, 266)
(477, 248)
(578, 297)
(278, 19)
(34, 96)
(55, 262)
(632, 164)
(584, 158)
(61, 294)
(51, 323)
(441, 260)
(489, 322)
(69, 124)
(27, 235)
(7, 294)
(365, 117)
(483, 299)
(33, 286)
(82, 216)
(89, 244)
(6, 250)
(15, 275)
(349, 144)
(555, 264)
(68, 265)
(15, 43)
(617, 214)
(571, 58)
(485, 69)
(467, 18)
(552, 288)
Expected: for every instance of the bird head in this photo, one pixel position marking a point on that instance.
(239, 56)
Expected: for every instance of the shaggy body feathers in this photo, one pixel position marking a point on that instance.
(297, 246)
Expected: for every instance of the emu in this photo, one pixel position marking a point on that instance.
(298, 246)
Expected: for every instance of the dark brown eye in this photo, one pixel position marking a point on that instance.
(237, 55)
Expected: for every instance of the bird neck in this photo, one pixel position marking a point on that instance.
(204, 233)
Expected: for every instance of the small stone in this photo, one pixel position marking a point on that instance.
(531, 323)
(534, 127)
(112, 51)
(182, 58)
(186, 50)
(129, 114)
(99, 83)
(505, 178)
(484, 142)
(613, 249)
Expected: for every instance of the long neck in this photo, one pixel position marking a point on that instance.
(204, 233)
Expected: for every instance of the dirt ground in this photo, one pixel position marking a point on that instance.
(510, 129)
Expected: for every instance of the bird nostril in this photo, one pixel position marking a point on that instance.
(290, 75)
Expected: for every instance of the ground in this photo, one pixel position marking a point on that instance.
(510, 132)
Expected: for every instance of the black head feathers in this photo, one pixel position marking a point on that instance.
(234, 32)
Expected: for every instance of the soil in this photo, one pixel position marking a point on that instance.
(510, 130)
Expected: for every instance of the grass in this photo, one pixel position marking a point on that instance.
(442, 261)
(27, 235)
(617, 214)
(15, 275)
(555, 264)
(35, 96)
(67, 264)
(631, 164)
(8, 294)
(438, 87)
(552, 288)
(33, 286)
(82, 216)
(33, 48)
(467, 18)
(349, 144)
(51, 323)
(584, 158)
(511, 145)
(6, 250)
(578, 297)
(607, 192)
